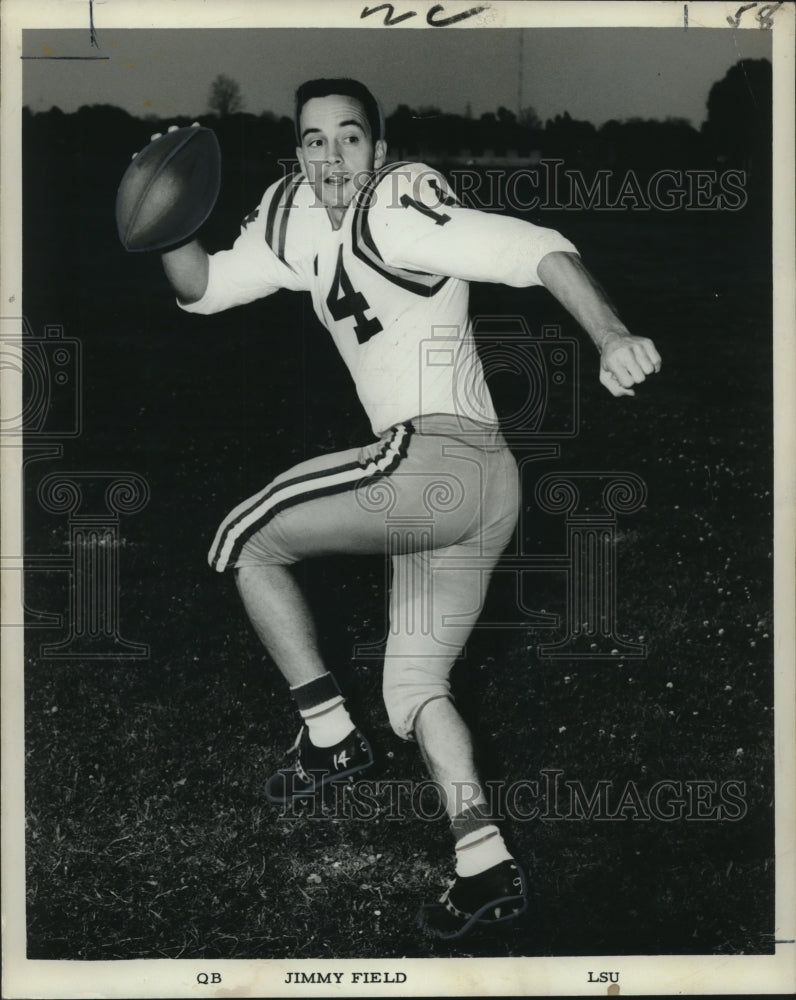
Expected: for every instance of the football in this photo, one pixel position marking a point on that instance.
(169, 189)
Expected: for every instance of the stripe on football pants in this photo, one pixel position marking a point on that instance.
(254, 513)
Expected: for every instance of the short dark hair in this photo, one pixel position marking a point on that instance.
(347, 87)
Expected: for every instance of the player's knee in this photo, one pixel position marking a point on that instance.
(266, 547)
(406, 689)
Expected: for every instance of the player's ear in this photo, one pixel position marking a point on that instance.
(300, 158)
(379, 153)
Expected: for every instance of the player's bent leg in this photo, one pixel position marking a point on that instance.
(279, 525)
(254, 541)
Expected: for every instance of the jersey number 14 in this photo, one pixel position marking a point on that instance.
(343, 301)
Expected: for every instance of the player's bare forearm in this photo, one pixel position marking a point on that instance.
(565, 276)
(625, 358)
(187, 268)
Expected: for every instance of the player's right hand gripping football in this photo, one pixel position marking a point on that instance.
(169, 188)
(627, 360)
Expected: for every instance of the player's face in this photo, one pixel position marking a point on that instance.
(337, 151)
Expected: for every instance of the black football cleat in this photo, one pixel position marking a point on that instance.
(500, 893)
(315, 767)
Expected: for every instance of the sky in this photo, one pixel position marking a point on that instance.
(593, 73)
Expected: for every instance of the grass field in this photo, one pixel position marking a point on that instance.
(148, 834)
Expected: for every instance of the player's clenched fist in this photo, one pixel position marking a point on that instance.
(627, 360)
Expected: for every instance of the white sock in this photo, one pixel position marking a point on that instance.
(328, 723)
(479, 850)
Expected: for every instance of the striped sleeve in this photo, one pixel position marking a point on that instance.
(417, 224)
(256, 265)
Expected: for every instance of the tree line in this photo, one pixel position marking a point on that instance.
(737, 129)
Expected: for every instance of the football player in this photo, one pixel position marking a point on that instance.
(386, 253)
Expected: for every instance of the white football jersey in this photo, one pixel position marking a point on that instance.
(390, 285)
